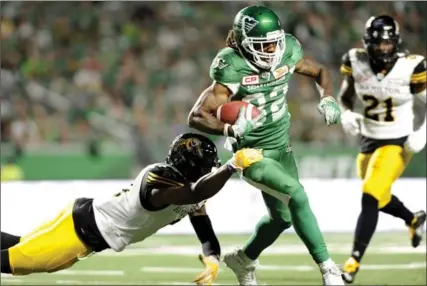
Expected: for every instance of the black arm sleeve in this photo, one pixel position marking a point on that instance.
(203, 227)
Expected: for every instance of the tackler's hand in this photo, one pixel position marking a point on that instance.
(245, 157)
(209, 274)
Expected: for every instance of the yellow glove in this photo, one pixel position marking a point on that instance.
(207, 276)
(245, 157)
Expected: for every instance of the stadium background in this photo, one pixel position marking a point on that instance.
(97, 90)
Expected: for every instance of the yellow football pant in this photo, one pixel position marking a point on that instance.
(380, 169)
(50, 247)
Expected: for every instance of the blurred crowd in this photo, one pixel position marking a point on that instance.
(129, 72)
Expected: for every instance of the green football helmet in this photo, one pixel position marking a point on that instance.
(256, 28)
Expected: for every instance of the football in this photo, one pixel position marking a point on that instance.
(228, 112)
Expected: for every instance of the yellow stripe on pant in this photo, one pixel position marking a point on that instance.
(51, 247)
(380, 169)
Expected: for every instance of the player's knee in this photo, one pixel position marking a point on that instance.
(283, 224)
(298, 197)
(385, 199)
(22, 263)
(280, 221)
(369, 203)
(376, 187)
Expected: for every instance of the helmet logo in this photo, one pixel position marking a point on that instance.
(248, 23)
(193, 145)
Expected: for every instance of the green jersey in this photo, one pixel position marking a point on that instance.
(264, 89)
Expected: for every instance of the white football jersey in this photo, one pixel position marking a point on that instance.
(122, 220)
(387, 99)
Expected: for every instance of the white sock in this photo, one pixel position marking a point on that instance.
(328, 264)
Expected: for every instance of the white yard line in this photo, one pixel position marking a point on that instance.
(155, 269)
(89, 273)
(12, 281)
(94, 282)
(299, 268)
(419, 265)
(190, 250)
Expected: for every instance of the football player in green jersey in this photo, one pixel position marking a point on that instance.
(255, 67)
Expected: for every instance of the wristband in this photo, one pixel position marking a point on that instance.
(225, 131)
(328, 98)
(231, 168)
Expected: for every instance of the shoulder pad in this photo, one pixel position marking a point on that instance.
(419, 74)
(225, 67)
(414, 57)
(346, 68)
(361, 55)
(345, 59)
(294, 47)
(164, 176)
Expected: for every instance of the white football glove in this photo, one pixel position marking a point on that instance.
(243, 126)
(416, 141)
(329, 108)
(351, 122)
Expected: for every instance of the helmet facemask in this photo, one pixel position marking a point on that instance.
(257, 47)
(380, 56)
(382, 30)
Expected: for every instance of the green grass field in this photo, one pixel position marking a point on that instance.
(172, 260)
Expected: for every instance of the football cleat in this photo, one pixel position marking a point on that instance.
(351, 267)
(331, 275)
(416, 229)
(242, 266)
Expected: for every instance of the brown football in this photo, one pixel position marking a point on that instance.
(229, 111)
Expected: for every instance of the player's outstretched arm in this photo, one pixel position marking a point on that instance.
(210, 246)
(207, 186)
(202, 117)
(203, 189)
(328, 106)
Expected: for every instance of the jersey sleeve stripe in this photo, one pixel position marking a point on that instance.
(156, 178)
(152, 180)
(346, 70)
(159, 184)
(419, 77)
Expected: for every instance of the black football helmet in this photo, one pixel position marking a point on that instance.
(379, 29)
(194, 155)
